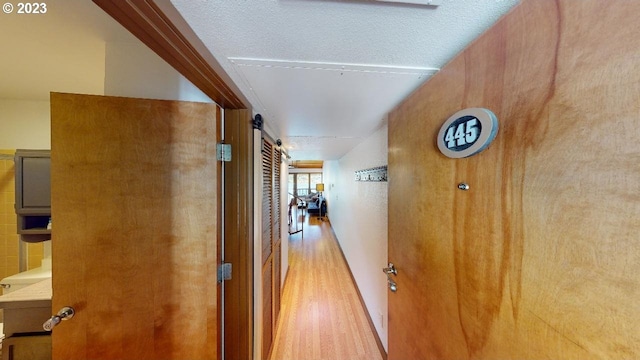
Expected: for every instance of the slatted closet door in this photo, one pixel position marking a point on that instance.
(267, 199)
(267, 235)
(276, 236)
(271, 243)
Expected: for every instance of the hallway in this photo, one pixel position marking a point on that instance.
(321, 315)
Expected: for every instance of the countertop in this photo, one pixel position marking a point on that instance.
(36, 295)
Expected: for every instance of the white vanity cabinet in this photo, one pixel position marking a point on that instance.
(25, 311)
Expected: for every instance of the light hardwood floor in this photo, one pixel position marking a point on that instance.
(322, 317)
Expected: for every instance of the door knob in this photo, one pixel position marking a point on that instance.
(65, 313)
(392, 285)
(390, 270)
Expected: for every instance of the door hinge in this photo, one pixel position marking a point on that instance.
(223, 152)
(224, 272)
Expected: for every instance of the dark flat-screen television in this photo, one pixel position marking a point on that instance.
(33, 194)
(35, 176)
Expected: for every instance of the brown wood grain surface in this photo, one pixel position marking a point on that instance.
(539, 258)
(267, 308)
(238, 241)
(218, 298)
(134, 202)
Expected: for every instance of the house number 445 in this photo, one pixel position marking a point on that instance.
(466, 133)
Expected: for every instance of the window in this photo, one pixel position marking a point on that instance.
(313, 180)
(304, 183)
(290, 187)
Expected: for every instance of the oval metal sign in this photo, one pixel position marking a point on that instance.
(467, 132)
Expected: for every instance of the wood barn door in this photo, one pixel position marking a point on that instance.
(134, 203)
(271, 243)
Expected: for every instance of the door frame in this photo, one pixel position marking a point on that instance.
(159, 26)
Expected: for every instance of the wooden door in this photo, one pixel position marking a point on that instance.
(134, 199)
(539, 258)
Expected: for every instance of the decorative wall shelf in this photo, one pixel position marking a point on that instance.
(376, 174)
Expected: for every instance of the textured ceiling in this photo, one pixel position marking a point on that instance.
(324, 74)
(328, 107)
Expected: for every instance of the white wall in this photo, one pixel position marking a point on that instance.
(284, 215)
(130, 69)
(358, 214)
(25, 124)
(133, 70)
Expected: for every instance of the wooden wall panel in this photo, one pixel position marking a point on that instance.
(219, 241)
(238, 242)
(539, 259)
